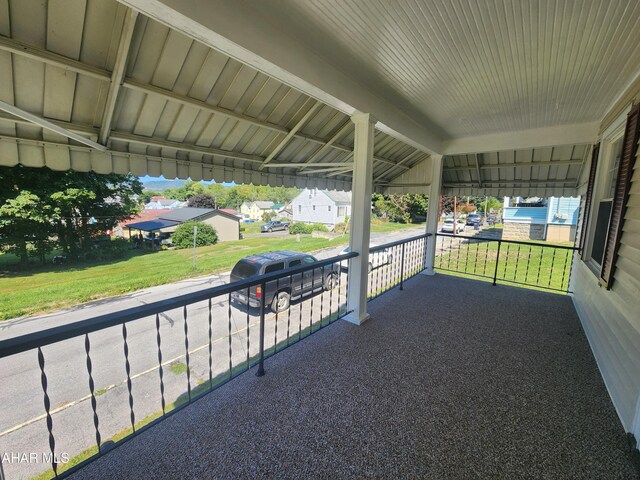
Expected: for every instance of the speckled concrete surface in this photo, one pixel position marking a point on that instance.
(450, 378)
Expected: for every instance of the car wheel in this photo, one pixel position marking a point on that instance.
(280, 302)
(331, 281)
(271, 230)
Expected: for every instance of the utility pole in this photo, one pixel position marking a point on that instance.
(195, 234)
(455, 214)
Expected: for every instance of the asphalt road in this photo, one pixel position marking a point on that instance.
(234, 334)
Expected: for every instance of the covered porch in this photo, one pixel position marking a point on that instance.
(479, 382)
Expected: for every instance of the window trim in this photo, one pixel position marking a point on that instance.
(605, 157)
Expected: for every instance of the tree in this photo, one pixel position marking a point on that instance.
(25, 220)
(202, 200)
(43, 208)
(406, 208)
(183, 236)
(268, 215)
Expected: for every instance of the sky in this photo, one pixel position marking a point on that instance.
(148, 178)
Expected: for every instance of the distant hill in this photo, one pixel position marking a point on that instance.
(160, 185)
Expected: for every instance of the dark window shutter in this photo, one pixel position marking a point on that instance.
(623, 184)
(589, 197)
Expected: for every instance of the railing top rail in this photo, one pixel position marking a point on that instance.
(23, 343)
(517, 242)
(399, 242)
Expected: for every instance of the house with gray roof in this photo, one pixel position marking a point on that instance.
(227, 225)
(328, 207)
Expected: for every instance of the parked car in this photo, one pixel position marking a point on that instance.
(472, 218)
(376, 259)
(448, 226)
(279, 293)
(274, 226)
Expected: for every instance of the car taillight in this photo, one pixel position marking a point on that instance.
(258, 292)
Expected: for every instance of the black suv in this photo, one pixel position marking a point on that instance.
(279, 293)
(475, 217)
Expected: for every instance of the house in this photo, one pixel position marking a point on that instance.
(227, 225)
(161, 203)
(122, 230)
(328, 207)
(553, 219)
(255, 210)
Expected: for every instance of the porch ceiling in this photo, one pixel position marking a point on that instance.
(162, 103)
(457, 78)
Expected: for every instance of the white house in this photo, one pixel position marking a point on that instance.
(321, 206)
(255, 210)
(161, 203)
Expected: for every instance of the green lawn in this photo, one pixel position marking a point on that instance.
(53, 287)
(536, 266)
(384, 227)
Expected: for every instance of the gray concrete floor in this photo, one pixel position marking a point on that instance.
(451, 378)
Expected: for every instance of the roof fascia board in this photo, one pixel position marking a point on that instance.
(583, 133)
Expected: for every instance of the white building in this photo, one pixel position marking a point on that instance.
(328, 207)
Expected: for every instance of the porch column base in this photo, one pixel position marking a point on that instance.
(428, 271)
(357, 319)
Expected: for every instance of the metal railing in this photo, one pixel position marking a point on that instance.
(216, 341)
(539, 265)
(393, 263)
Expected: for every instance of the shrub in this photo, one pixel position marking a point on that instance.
(183, 236)
(307, 228)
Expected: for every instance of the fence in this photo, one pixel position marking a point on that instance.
(393, 263)
(124, 372)
(531, 264)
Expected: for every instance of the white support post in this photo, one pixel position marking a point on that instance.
(358, 275)
(432, 213)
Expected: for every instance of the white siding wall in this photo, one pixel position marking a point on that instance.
(312, 206)
(611, 319)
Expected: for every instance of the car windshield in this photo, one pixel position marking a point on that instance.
(244, 269)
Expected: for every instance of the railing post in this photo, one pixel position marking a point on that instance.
(433, 215)
(495, 272)
(402, 269)
(260, 371)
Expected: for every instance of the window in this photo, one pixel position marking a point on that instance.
(314, 208)
(309, 260)
(604, 207)
(274, 267)
(342, 211)
(329, 207)
(295, 263)
(299, 208)
(618, 155)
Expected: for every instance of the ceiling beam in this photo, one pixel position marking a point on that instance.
(576, 134)
(398, 164)
(162, 143)
(340, 172)
(50, 58)
(331, 141)
(41, 122)
(283, 143)
(487, 166)
(85, 130)
(320, 170)
(297, 165)
(478, 171)
(510, 182)
(118, 73)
